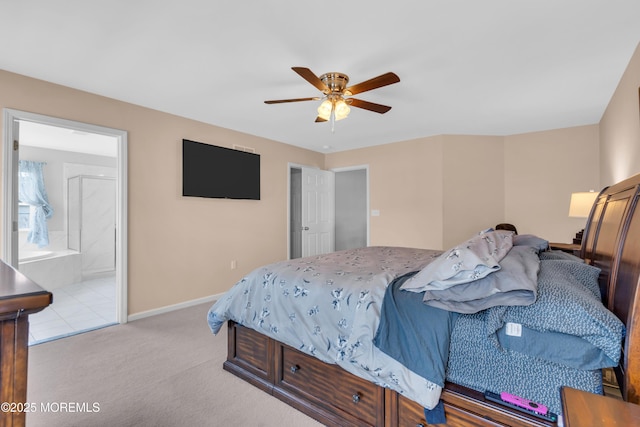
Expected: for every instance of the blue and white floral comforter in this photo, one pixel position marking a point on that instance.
(329, 306)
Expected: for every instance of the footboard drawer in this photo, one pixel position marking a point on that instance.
(410, 414)
(250, 356)
(465, 408)
(329, 387)
(472, 405)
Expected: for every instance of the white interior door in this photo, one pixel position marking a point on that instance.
(318, 216)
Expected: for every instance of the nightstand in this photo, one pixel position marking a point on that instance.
(571, 248)
(584, 409)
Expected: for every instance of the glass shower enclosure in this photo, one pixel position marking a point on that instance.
(91, 217)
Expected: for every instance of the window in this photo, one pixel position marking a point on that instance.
(23, 216)
(31, 191)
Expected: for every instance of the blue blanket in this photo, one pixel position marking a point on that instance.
(413, 333)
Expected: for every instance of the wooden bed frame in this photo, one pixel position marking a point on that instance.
(334, 397)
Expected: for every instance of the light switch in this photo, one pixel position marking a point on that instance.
(375, 212)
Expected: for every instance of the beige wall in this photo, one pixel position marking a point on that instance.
(436, 192)
(620, 128)
(542, 169)
(431, 192)
(473, 191)
(405, 181)
(180, 248)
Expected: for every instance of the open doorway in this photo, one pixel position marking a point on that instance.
(352, 207)
(311, 226)
(349, 209)
(77, 253)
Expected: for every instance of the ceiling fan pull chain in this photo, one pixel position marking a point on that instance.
(333, 116)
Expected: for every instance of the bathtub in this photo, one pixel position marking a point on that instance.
(26, 256)
(51, 269)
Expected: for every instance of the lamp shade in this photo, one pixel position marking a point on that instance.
(324, 110)
(581, 204)
(341, 109)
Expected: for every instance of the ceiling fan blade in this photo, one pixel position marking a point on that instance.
(374, 83)
(320, 119)
(308, 75)
(280, 101)
(371, 106)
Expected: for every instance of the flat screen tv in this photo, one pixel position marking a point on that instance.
(218, 172)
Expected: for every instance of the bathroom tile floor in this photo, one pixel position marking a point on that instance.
(76, 308)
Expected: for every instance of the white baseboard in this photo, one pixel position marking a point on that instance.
(173, 307)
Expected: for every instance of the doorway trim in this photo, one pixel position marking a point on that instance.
(10, 117)
(319, 225)
(291, 165)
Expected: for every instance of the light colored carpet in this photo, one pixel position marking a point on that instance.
(164, 370)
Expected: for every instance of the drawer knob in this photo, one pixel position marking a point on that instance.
(356, 398)
(294, 369)
(420, 425)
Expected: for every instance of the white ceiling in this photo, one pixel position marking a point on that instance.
(491, 67)
(60, 138)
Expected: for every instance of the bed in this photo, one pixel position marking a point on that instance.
(340, 372)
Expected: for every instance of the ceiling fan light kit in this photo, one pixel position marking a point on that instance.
(333, 105)
(337, 95)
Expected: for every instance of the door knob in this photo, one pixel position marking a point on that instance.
(305, 228)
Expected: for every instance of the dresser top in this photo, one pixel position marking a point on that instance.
(19, 293)
(584, 409)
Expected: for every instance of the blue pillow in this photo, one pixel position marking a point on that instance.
(530, 240)
(565, 349)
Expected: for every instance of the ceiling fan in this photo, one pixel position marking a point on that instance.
(336, 97)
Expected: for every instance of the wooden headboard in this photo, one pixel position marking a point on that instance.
(612, 243)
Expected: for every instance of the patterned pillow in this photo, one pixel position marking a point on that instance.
(567, 305)
(466, 262)
(516, 283)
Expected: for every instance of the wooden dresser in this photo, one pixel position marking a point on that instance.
(584, 409)
(19, 297)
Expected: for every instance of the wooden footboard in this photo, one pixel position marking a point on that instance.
(335, 397)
